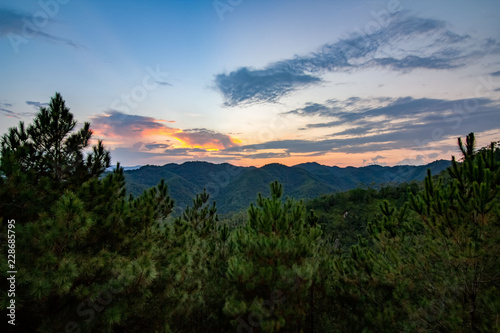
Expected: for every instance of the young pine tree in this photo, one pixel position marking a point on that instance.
(195, 262)
(274, 267)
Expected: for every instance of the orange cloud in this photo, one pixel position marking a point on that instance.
(162, 131)
(206, 139)
(118, 125)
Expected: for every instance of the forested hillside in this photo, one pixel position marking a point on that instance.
(413, 257)
(233, 187)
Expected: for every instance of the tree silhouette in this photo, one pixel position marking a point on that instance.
(41, 161)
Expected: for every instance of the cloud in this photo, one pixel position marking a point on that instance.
(496, 73)
(206, 138)
(291, 146)
(361, 111)
(115, 124)
(182, 151)
(376, 158)
(334, 107)
(247, 85)
(375, 161)
(408, 121)
(406, 43)
(37, 105)
(163, 149)
(164, 83)
(5, 108)
(389, 123)
(261, 155)
(312, 108)
(14, 26)
(118, 124)
(155, 146)
(8, 113)
(412, 62)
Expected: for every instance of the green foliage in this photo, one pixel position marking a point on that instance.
(235, 187)
(91, 258)
(346, 214)
(86, 254)
(435, 267)
(412, 257)
(40, 162)
(274, 265)
(189, 292)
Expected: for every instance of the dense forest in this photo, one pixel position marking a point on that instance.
(234, 188)
(90, 257)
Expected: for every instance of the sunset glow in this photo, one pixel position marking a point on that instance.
(338, 83)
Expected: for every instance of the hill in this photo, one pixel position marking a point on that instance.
(234, 187)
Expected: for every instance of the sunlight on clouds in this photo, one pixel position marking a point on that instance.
(159, 132)
(152, 137)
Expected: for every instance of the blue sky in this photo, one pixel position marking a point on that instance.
(252, 82)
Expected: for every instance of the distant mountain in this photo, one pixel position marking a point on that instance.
(234, 188)
(350, 177)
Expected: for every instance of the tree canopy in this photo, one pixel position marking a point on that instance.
(92, 258)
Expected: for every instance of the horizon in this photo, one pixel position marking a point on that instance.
(260, 166)
(252, 83)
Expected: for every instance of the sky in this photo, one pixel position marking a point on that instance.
(253, 82)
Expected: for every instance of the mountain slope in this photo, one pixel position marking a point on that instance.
(351, 177)
(234, 188)
(297, 183)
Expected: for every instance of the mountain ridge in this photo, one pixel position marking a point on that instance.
(235, 187)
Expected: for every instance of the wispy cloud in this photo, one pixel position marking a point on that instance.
(37, 105)
(13, 26)
(6, 109)
(405, 44)
(164, 83)
(247, 85)
(363, 116)
(118, 124)
(206, 138)
(8, 113)
(403, 123)
(256, 156)
(154, 146)
(182, 151)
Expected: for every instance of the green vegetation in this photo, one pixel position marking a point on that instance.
(416, 256)
(234, 188)
(276, 252)
(346, 214)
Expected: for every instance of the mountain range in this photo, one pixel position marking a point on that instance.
(234, 187)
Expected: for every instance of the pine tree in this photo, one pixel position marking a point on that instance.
(87, 255)
(434, 263)
(193, 284)
(461, 222)
(274, 266)
(91, 260)
(40, 162)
